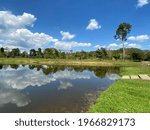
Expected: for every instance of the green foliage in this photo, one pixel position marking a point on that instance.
(116, 55)
(2, 54)
(15, 52)
(122, 31)
(24, 54)
(32, 53)
(51, 53)
(135, 54)
(121, 34)
(62, 55)
(101, 53)
(147, 56)
(39, 53)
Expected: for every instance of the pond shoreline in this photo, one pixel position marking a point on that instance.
(125, 95)
(70, 62)
(127, 67)
(43, 88)
(37, 61)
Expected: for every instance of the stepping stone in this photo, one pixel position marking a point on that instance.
(134, 77)
(126, 77)
(144, 77)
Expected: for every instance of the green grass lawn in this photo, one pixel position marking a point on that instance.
(135, 70)
(130, 96)
(126, 96)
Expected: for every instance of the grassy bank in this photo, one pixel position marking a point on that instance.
(86, 62)
(38, 61)
(126, 95)
(135, 70)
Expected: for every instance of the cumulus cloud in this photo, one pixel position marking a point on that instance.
(13, 32)
(93, 25)
(112, 46)
(10, 21)
(141, 3)
(140, 38)
(69, 45)
(24, 38)
(133, 45)
(66, 35)
(23, 77)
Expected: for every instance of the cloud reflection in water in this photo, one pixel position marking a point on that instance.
(13, 81)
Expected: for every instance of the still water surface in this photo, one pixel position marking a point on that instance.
(29, 88)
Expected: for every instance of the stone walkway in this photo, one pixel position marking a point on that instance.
(140, 76)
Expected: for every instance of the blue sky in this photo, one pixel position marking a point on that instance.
(72, 24)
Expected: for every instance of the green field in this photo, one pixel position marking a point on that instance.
(41, 61)
(126, 96)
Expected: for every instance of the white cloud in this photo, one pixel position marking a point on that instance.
(66, 35)
(141, 3)
(133, 45)
(69, 45)
(93, 25)
(112, 76)
(64, 85)
(13, 81)
(14, 34)
(99, 46)
(126, 43)
(8, 95)
(140, 38)
(70, 75)
(112, 46)
(10, 21)
(23, 77)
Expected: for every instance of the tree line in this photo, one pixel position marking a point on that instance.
(101, 54)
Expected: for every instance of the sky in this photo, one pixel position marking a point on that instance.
(73, 24)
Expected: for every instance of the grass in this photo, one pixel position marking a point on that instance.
(38, 61)
(135, 70)
(121, 63)
(86, 62)
(126, 96)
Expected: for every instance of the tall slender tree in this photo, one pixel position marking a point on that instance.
(121, 34)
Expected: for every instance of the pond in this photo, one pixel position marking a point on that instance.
(44, 89)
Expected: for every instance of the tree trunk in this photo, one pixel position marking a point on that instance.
(123, 54)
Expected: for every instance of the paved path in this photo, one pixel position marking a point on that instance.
(139, 76)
